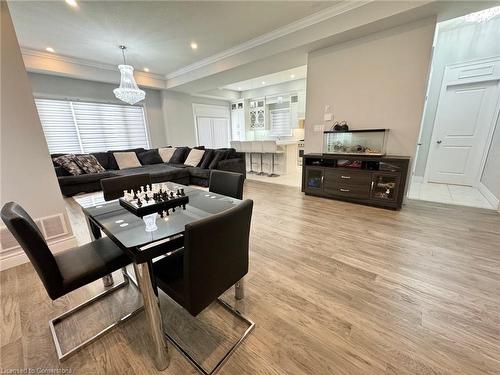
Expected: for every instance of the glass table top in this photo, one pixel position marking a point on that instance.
(130, 230)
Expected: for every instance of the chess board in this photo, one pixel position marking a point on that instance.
(155, 202)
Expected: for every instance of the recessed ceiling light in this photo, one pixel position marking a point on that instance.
(263, 82)
(292, 75)
(194, 45)
(72, 3)
(146, 69)
(49, 49)
(239, 88)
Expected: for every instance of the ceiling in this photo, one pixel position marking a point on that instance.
(157, 34)
(269, 79)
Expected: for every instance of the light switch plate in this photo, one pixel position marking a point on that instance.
(328, 117)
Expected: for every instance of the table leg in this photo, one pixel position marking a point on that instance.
(151, 307)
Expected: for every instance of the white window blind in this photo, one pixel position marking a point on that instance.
(83, 127)
(280, 122)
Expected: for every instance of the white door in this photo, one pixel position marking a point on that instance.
(464, 119)
(213, 132)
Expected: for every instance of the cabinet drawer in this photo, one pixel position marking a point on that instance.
(351, 178)
(361, 191)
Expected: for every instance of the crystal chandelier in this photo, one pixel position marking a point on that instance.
(483, 15)
(128, 91)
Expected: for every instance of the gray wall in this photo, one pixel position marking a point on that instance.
(377, 81)
(456, 42)
(55, 87)
(491, 172)
(27, 174)
(291, 86)
(178, 116)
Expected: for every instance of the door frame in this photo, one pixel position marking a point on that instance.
(492, 75)
(212, 111)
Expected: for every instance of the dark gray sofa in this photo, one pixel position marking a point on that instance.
(70, 185)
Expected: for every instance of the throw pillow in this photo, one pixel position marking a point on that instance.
(89, 164)
(126, 160)
(194, 157)
(179, 155)
(207, 158)
(219, 155)
(150, 157)
(68, 163)
(166, 153)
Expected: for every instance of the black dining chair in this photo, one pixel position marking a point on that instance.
(226, 183)
(66, 271)
(113, 187)
(214, 258)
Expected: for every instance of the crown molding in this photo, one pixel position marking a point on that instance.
(323, 15)
(83, 62)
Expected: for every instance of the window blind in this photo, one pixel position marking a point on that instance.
(280, 122)
(83, 127)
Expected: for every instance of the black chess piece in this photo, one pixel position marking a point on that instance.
(139, 202)
(146, 198)
(173, 209)
(171, 194)
(161, 214)
(182, 191)
(168, 213)
(135, 195)
(184, 206)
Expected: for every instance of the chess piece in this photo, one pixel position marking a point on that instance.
(171, 194)
(139, 203)
(182, 191)
(135, 195)
(142, 189)
(146, 198)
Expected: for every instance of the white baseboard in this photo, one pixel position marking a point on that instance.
(19, 257)
(489, 196)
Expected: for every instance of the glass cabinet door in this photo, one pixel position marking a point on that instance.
(384, 186)
(314, 179)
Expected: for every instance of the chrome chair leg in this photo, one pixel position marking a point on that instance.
(64, 355)
(198, 366)
(107, 280)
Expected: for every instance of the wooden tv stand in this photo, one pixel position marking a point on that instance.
(371, 180)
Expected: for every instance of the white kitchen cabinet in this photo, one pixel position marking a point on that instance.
(238, 121)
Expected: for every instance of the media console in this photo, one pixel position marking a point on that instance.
(371, 180)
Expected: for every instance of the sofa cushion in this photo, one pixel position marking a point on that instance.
(68, 163)
(199, 172)
(166, 153)
(149, 157)
(88, 163)
(194, 157)
(112, 160)
(219, 155)
(84, 178)
(126, 160)
(207, 158)
(102, 158)
(179, 155)
(158, 172)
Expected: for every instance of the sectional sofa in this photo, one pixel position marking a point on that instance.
(226, 159)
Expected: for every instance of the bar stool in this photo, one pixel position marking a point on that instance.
(257, 149)
(270, 147)
(246, 147)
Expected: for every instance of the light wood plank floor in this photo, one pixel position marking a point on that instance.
(335, 288)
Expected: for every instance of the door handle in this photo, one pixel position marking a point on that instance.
(438, 142)
(344, 190)
(345, 177)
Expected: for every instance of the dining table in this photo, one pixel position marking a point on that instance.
(143, 245)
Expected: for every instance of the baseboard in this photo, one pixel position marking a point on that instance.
(489, 196)
(18, 257)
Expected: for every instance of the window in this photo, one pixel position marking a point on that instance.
(280, 122)
(83, 127)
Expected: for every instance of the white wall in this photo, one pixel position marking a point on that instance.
(178, 116)
(55, 87)
(377, 81)
(457, 41)
(285, 87)
(27, 174)
(491, 173)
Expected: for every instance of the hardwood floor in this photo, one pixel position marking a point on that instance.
(335, 288)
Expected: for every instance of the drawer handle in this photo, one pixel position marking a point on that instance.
(345, 177)
(344, 190)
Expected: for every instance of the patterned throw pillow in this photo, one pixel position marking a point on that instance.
(89, 164)
(68, 163)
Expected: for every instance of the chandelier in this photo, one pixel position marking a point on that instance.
(483, 15)
(128, 91)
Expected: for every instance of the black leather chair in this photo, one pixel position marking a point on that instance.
(113, 187)
(66, 271)
(226, 183)
(214, 258)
